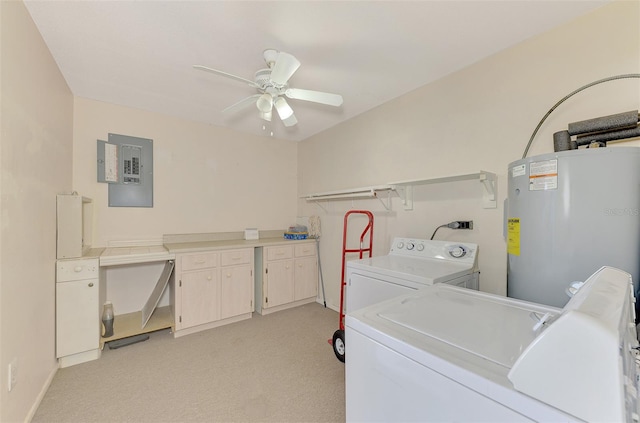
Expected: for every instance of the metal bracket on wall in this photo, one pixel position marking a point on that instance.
(489, 195)
(405, 192)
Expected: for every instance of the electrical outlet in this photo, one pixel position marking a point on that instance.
(13, 374)
(465, 224)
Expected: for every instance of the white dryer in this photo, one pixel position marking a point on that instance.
(451, 354)
(410, 265)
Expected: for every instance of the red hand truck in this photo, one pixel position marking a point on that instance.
(338, 336)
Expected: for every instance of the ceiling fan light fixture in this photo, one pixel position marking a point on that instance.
(290, 121)
(265, 116)
(265, 103)
(284, 110)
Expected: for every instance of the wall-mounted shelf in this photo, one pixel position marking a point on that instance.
(366, 192)
(405, 190)
(488, 180)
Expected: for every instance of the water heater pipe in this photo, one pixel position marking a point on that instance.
(599, 130)
(571, 94)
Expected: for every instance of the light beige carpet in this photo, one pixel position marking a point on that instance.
(274, 368)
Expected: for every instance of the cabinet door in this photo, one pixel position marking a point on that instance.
(236, 284)
(77, 317)
(306, 278)
(200, 298)
(278, 286)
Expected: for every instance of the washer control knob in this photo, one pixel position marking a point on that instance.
(410, 245)
(457, 251)
(400, 245)
(420, 247)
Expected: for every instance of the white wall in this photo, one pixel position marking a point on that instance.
(206, 178)
(478, 118)
(36, 130)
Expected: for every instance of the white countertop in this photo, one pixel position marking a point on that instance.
(114, 256)
(190, 247)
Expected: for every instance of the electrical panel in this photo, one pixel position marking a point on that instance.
(126, 164)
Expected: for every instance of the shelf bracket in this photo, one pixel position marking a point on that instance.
(489, 194)
(388, 205)
(321, 206)
(405, 192)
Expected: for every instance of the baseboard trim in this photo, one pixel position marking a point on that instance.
(43, 391)
(334, 308)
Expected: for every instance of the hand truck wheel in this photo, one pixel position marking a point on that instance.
(338, 344)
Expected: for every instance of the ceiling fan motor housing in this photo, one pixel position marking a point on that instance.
(262, 78)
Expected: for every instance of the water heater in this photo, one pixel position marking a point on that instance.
(568, 214)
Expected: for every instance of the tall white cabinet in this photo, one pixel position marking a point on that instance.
(80, 292)
(79, 296)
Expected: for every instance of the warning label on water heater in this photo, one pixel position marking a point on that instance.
(543, 175)
(513, 236)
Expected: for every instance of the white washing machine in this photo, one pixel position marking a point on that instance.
(411, 264)
(451, 354)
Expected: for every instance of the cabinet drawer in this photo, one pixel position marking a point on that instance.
(199, 261)
(305, 250)
(234, 257)
(278, 253)
(75, 270)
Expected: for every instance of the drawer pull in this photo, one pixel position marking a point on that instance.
(286, 267)
(300, 265)
(280, 253)
(200, 262)
(228, 275)
(77, 269)
(236, 258)
(90, 284)
(208, 278)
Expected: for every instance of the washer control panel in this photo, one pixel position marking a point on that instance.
(424, 248)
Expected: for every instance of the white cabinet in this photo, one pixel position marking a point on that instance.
(212, 288)
(79, 295)
(197, 293)
(236, 282)
(200, 296)
(289, 278)
(306, 272)
(278, 276)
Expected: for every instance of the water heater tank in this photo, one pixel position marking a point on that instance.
(568, 214)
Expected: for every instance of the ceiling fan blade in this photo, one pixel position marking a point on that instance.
(225, 74)
(315, 96)
(285, 111)
(284, 68)
(241, 104)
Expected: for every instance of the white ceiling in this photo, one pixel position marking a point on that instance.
(140, 53)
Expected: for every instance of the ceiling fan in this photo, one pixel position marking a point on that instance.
(273, 86)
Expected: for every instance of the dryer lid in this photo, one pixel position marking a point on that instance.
(491, 327)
